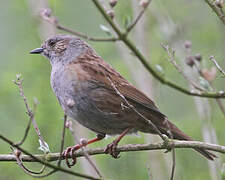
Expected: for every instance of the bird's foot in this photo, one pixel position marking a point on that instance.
(111, 149)
(69, 153)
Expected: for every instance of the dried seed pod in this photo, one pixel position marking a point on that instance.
(144, 3)
(17, 153)
(190, 61)
(111, 13)
(219, 3)
(112, 3)
(187, 44)
(198, 57)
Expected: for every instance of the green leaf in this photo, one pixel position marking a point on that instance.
(44, 147)
(127, 21)
(205, 84)
(105, 29)
(159, 69)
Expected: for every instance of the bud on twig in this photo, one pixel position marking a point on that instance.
(111, 13)
(198, 57)
(219, 3)
(187, 44)
(112, 3)
(144, 3)
(17, 153)
(190, 61)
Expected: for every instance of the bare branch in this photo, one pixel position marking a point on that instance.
(62, 139)
(164, 138)
(220, 12)
(25, 134)
(83, 143)
(24, 168)
(220, 104)
(125, 148)
(29, 112)
(174, 163)
(212, 58)
(171, 55)
(46, 15)
(151, 70)
(42, 159)
(131, 26)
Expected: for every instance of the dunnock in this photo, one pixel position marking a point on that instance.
(91, 92)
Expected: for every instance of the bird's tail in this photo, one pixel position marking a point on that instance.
(178, 134)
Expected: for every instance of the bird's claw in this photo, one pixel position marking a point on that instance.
(111, 149)
(69, 152)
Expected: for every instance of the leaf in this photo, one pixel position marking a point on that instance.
(205, 84)
(44, 147)
(105, 29)
(159, 68)
(127, 21)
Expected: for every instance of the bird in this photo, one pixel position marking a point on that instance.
(94, 94)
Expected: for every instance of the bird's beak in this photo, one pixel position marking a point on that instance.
(37, 51)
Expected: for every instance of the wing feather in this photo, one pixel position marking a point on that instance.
(100, 71)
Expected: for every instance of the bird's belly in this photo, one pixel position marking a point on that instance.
(80, 107)
(74, 98)
(88, 115)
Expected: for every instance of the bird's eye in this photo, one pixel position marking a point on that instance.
(51, 42)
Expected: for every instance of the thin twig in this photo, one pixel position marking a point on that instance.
(135, 110)
(84, 35)
(86, 155)
(24, 168)
(39, 159)
(25, 134)
(171, 55)
(28, 127)
(131, 26)
(46, 15)
(219, 11)
(220, 104)
(151, 70)
(62, 139)
(29, 112)
(174, 162)
(45, 175)
(212, 58)
(125, 148)
(172, 149)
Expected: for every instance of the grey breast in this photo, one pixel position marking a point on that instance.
(74, 97)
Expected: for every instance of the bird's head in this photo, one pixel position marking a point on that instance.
(61, 48)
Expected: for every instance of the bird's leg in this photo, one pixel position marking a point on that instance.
(70, 150)
(111, 148)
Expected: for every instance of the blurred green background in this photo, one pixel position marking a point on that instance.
(170, 22)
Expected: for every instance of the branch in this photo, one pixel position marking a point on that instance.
(29, 112)
(212, 58)
(124, 148)
(148, 121)
(151, 70)
(46, 15)
(42, 160)
(217, 7)
(131, 26)
(171, 55)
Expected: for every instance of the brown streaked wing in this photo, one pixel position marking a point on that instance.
(99, 70)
